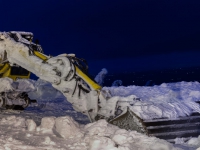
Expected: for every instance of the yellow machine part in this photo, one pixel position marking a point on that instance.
(89, 81)
(40, 55)
(5, 71)
(4, 68)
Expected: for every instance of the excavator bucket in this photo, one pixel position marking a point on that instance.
(167, 129)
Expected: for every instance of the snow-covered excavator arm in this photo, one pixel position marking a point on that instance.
(61, 71)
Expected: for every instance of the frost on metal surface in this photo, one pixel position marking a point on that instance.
(21, 85)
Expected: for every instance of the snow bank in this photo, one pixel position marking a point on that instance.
(170, 100)
(68, 134)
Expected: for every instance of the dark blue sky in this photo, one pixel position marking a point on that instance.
(137, 34)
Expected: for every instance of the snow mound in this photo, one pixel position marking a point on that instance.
(67, 127)
(31, 125)
(102, 135)
(168, 100)
(47, 125)
(18, 122)
(68, 134)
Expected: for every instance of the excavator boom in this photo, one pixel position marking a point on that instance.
(61, 71)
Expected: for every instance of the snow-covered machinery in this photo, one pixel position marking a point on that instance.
(15, 98)
(19, 56)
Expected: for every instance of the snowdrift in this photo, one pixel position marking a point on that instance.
(63, 133)
(168, 100)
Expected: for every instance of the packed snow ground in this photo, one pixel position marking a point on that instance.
(52, 124)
